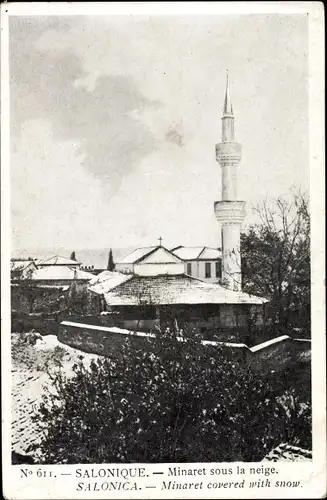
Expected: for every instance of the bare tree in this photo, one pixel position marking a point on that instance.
(276, 258)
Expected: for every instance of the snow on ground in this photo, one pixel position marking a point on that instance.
(288, 453)
(29, 380)
(50, 342)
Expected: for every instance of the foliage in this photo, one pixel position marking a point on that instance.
(23, 279)
(165, 401)
(73, 256)
(77, 300)
(276, 259)
(80, 301)
(29, 297)
(111, 265)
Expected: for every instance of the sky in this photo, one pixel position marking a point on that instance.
(114, 121)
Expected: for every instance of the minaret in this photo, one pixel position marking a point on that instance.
(229, 212)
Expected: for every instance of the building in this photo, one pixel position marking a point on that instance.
(60, 275)
(54, 271)
(145, 301)
(230, 212)
(58, 260)
(107, 280)
(39, 285)
(21, 268)
(149, 261)
(201, 262)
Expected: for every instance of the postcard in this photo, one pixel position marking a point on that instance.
(163, 291)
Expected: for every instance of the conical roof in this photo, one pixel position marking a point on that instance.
(228, 108)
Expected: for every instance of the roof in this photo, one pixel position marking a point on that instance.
(136, 255)
(140, 254)
(107, 280)
(61, 273)
(20, 265)
(197, 253)
(174, 289)
(57, 260)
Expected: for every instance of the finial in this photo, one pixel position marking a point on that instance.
(160, 241)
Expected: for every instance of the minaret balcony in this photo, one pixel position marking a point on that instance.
(228, 152)
(230, 212)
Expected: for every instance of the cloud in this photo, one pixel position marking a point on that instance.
(104, 121)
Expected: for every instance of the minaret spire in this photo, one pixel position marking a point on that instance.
(228, 108)
(228, 116)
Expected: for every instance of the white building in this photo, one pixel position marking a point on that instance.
(150, 261)
(203, 263)
(58, 260)
(21, 268)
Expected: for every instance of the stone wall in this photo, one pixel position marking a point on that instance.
(277, 354)
(41, 323)
(98, 339)
(272, 356)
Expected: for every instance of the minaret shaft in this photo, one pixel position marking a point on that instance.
(228, 133)
(229, 211)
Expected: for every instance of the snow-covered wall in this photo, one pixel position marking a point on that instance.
(272, 356)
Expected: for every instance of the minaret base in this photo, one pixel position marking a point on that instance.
(231, 215)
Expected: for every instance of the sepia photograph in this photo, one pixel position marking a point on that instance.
(160, 246)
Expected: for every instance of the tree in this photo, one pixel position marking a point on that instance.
(80, 301)
(25, 286)
(73, 256)
(111, 265)
(276, 259)
(164, 400)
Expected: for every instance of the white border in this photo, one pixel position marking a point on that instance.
(315, 474)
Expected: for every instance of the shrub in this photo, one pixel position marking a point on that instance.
(169, 402)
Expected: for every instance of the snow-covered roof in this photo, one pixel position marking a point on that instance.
(136, 255)
(58, 260)
(197, 253)
(160, 255)
(174, 289)
(107, 280)
(61, 273)
(20, 265)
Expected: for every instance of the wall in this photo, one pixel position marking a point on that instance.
(277, 354)
(269, 357)
(209, 319)
(198, 270)
(124, 268)
(202, 271)
(234, 315)
(96, 339)
(40, 322)
(152, 269)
